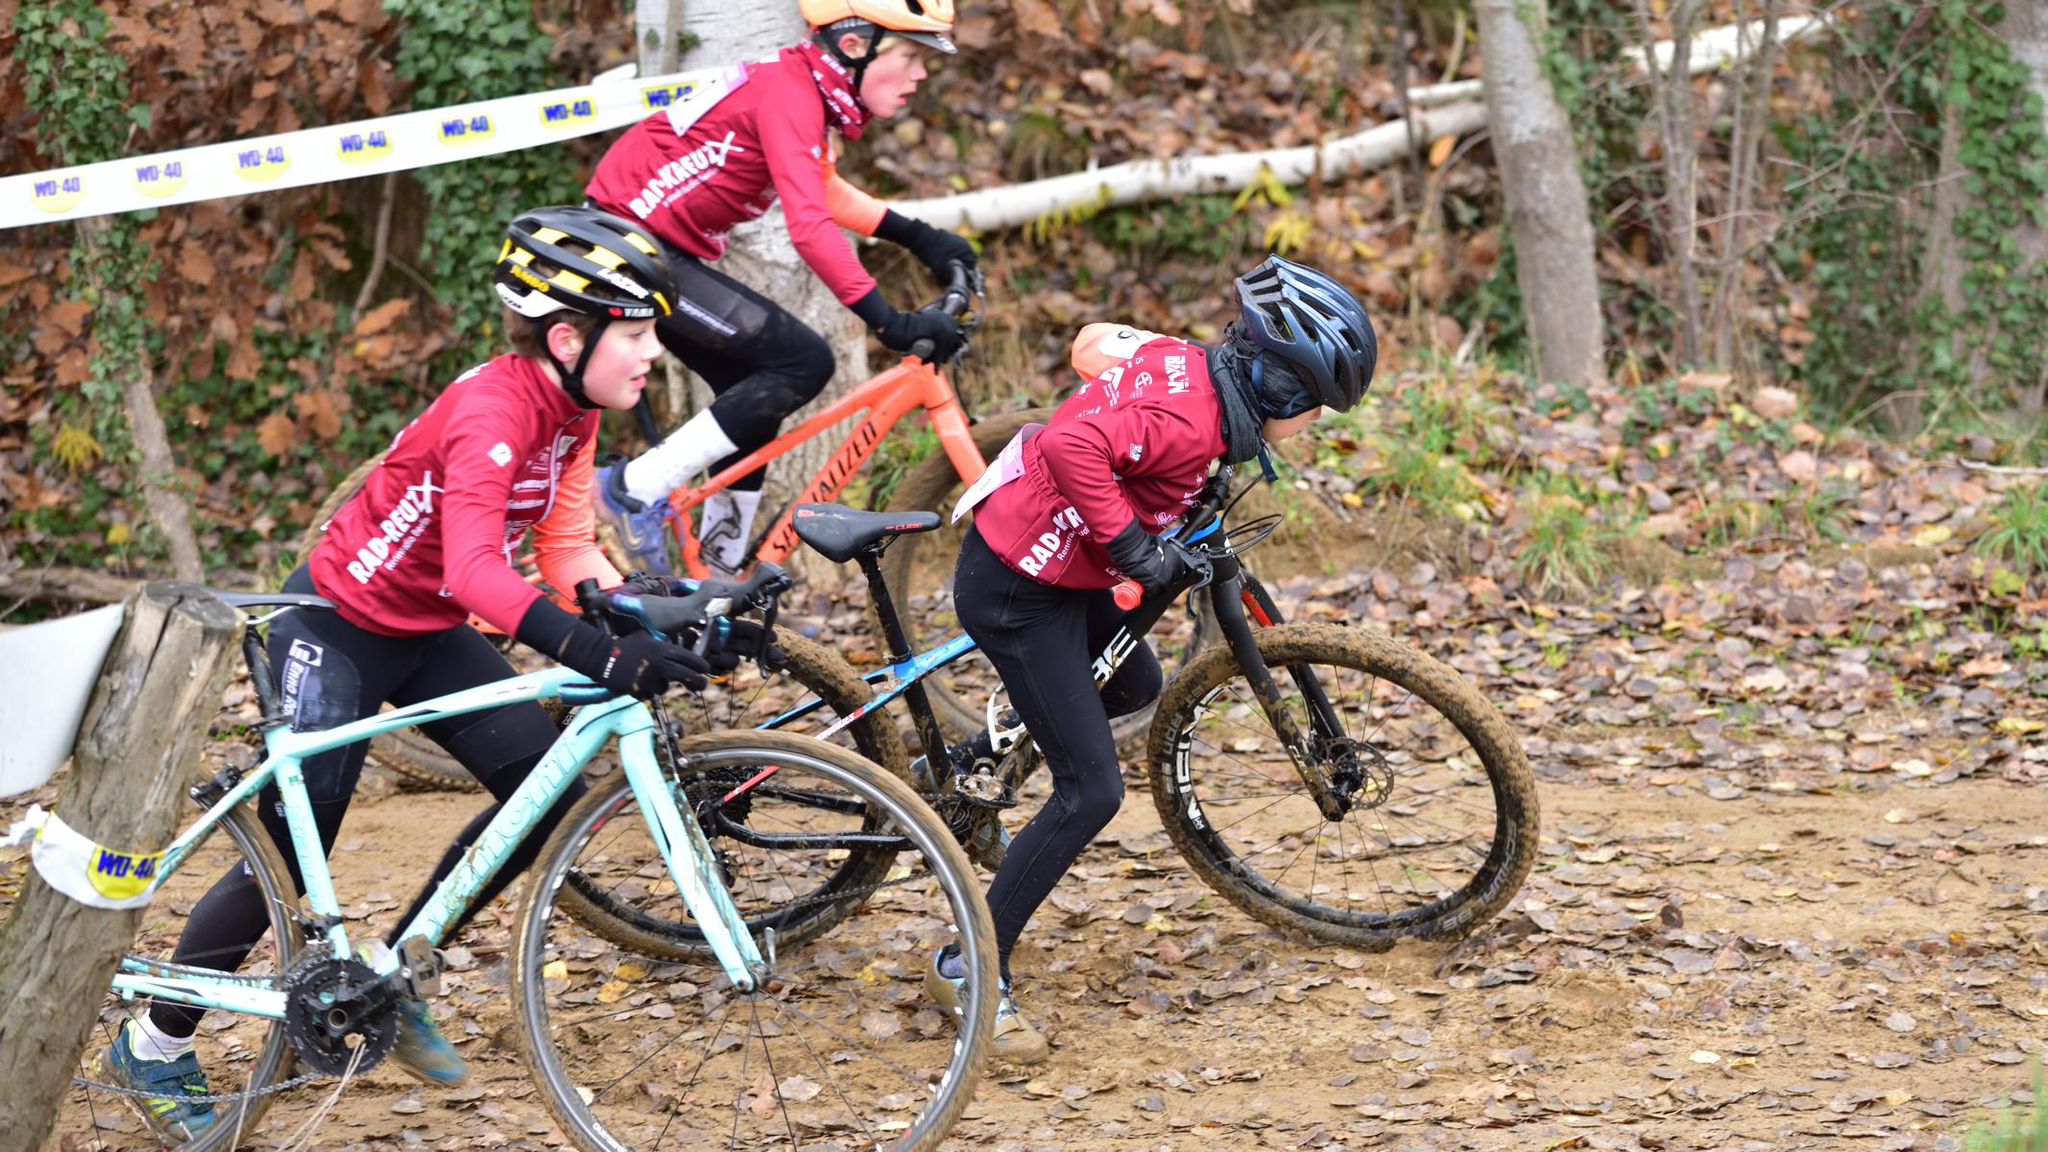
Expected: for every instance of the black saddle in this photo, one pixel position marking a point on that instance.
(840, 533)
(269, 599)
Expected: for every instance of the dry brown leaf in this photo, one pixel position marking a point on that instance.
(1440, 150)
(1040, 18)
(277, 434)
(382, 316)
(68, 315)
(195, 263)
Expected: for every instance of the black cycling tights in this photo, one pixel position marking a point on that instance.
(333, 672)
(1043, 642)
(761, 363)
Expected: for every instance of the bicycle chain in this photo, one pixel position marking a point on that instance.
(146, 1094)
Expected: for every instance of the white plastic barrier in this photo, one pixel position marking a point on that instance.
(47, 672)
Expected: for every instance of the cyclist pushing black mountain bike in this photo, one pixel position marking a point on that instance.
(1074, 508)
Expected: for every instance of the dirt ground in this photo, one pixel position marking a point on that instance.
(1752, 936)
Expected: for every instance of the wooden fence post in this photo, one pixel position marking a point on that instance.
(156, 697)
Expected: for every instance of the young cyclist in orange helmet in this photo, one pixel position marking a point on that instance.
(766, 133)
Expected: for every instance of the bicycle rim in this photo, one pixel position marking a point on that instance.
(1444, 825)
(238, 1054)
(838, 1048)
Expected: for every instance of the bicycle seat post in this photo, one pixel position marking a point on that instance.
(927, 722)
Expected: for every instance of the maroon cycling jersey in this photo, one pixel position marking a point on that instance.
(430, 538)
(692, 172)
(1136, 441)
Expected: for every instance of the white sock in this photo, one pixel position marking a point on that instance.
(726, 527)
(697, 445)
(149, 1042)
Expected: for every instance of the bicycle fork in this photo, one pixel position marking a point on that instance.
(1230, 597)
(691, 863)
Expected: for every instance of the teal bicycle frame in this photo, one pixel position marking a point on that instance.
(599, 717)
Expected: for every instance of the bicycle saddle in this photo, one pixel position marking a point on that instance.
(840, 533)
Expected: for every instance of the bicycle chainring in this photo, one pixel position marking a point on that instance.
(333, 1008)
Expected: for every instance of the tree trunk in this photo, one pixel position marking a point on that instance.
(2025, 32)
(1899, 411)
(134, 756)
(1673, 91)
(658, 33)
(1746, 148)
(762, 255)
(159, 469)
(1546, 201)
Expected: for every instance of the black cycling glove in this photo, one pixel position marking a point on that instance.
(1153, 561)
(635, 665)
(902, 330)
(935, 248)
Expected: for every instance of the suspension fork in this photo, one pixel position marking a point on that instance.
(1265, 613)
(1229, 598)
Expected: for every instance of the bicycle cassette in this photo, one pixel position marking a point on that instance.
(335, 1008)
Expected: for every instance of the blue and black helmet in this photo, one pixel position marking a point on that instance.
(1316, 325)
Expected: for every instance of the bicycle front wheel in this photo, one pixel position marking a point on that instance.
(619, 913)
(834, 1047)
(1441, 826)
(241, 1056)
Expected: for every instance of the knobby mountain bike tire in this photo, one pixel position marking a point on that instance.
(1446, 825)
(224, 1048)
(637, 1052)
(829, 677)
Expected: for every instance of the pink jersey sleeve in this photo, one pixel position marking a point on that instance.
(475, 568)
(1101, 346)
(791, 123)
(565, 543)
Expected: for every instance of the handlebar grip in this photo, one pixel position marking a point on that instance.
(1128, 595)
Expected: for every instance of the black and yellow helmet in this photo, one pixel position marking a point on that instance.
(583, 260)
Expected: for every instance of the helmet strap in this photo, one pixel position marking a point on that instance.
(856, 66)
(572, 378)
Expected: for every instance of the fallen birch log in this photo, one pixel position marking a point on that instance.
(1453, 109)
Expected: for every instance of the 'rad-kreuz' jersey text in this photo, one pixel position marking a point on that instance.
(1135, 442)
(430, 538)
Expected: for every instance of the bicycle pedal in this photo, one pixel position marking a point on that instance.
(419, 965)
(984, 790)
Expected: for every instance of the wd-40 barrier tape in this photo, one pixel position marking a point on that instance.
(344, 152)
(74, 865)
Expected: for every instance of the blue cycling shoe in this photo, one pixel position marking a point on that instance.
(422, 1052)
(173, 1117)
(642, 528)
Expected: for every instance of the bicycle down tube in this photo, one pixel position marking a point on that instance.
(602, 716)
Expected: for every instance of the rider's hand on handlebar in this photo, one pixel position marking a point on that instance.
(934, 248)
(903, 330)
(1153, 561)
(637, 665)
(734, 641)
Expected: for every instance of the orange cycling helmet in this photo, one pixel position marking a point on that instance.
(925, 21)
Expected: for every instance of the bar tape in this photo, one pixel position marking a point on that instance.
(396, 143)
(72, 864)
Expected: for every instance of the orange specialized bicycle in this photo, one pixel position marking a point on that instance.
(885, 399)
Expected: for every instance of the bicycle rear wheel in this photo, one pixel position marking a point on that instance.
(1443, 825)
(833, 1049)
(238, 1054)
